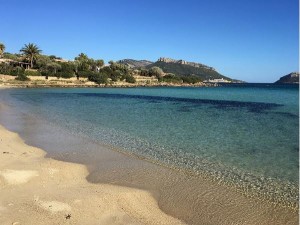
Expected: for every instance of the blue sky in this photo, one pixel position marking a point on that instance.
(255, 41)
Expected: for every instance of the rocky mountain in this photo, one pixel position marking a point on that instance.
(131, 63)
(183, 62)
(178, 67)
(185, 68)
(291, 78)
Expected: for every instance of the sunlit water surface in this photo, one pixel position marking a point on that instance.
(246, 135)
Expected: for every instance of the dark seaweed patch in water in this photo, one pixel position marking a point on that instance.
(287, 114)
(154, 101)
(256, 107)
(184, 109)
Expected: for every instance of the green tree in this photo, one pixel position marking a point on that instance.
(15, 57)
(82, 57)
(156, 71)
(98, 78)
(97, 64)
(18, 71)
(31, 52)
(42, 61)
(53, 57)
(22, 77)
(67, 69)
(130, 79)
(53, 67)
(100, 62)
(119, 67)
(2, 49)
(144, 72)
(83, 62)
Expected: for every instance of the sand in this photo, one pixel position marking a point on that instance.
(38, 190)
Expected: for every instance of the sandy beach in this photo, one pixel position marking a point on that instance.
(38, 190)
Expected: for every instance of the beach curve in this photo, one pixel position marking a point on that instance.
(52, 192)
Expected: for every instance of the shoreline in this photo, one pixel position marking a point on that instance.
(53, 82)
(192, 199)
(38, 190)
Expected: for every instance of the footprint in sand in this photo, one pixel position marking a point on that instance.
(18, 176)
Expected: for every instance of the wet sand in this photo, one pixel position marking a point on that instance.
(36, 190)
(175, 194)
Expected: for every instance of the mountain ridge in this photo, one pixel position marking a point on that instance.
(178, 67)
(132, 63)
(184, 62)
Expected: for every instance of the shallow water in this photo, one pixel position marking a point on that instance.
(246, 136)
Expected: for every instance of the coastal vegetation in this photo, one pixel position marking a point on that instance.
(30, 62)
(30, 52)
(2, 48)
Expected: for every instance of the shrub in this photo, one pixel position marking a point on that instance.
(98, 78)
(192, 79)
(115, 75)
(121, 67)
(45, 73)
(171, 78)
(8, 69)
(16, 71)
(145, 73)
(130, 79)
(22, 77)
(84, 73)
(7, 55)
(64, 74)
(106, 70)
(32, 73)
(65, 67)
(156, 71)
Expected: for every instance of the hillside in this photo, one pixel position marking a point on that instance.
(183, 68)
(131, 63)
(291, 78)
(177, 67)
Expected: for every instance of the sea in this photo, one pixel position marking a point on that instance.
(242, 135)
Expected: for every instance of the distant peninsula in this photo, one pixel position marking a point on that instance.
(180, 68)
(291, 78)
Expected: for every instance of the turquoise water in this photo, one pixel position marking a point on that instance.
(245, 135)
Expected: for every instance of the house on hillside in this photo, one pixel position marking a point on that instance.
(222, 80)
(15, 63)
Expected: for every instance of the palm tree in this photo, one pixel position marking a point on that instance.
(31, 51)
(2, 48)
